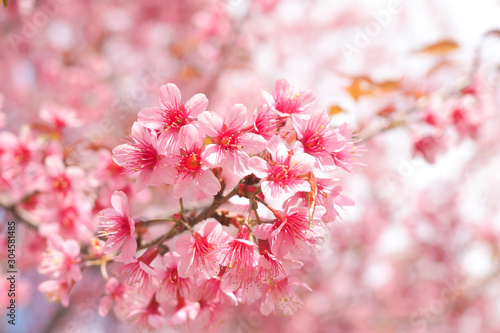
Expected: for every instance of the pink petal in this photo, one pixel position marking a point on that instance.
(211, 123)
(163, 174)
(268, 98)
(186, 266)
(104, 306)
(54, 165)
(271, 189)
(258, 167)
(119, 201)
(267, 305)
(276, 147)
(240, 163)
(263, 231)
(237, 116)
(212, 155)
(189, 136)
(184, 244)
(253, 143)
(142, 180)
(304, 161)
(151, 118)
(129, 248)
(71, 248)
(170, 96)
(209, 227)
(146, 268)
(197, 104)
(120, 154)
(207, 182)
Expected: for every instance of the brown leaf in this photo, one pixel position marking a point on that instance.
(6, 3)
(495, 33)
(442, 47)
(189, 73)
(334, 109)
(389, 86)
(355, 89)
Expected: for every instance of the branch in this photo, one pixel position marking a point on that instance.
(206, 213)
(218, 201)
(19, 214)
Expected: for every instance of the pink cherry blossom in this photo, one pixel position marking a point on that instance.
(56, 291)
(290, 232)
(115, 292)
(232, 140)
(267, 122)
(288, 100)
(241, 258)
(61, 260)
(118, 227)
(184, 311)
(172, 285)
(61, 179)
(59, 117)
(317, 139)
(430, 146)
(172, 116)
(192, 166)
(137, 272)
(197, 251)
(147, 313)
(282, 172)
(279, 296)
(345, 158)
(146, 156)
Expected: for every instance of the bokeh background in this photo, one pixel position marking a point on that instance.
(419, 252)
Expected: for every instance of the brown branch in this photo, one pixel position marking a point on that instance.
(19, 214)
(219, 200)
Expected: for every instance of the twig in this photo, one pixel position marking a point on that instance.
(19, 214)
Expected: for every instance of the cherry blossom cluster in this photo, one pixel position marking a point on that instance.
(219, 247)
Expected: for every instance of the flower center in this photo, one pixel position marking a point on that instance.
(176, 118)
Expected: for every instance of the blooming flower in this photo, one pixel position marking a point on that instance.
(267, 121)
(137, 272)
(240, 257)
(61, 179)
(146, 156)
(61, 259)
(184, 311)
(171, 284)
(232, 140)
(59, 117)
(196, 250)
(344, 158)
(290, 232)
(56, 291)
(318, 140)
(147, 313)
(172, 116)
(118, 227)
(280, 296)
(282, 173)
(191, 165)
(288, 100)
(115, 291)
